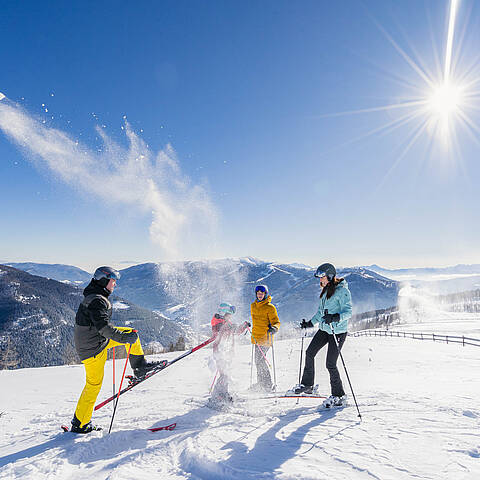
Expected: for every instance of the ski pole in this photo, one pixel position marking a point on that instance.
(273, 363)
(344, 367)
(213, 383)
(261, 351)
(251, 366)
(113, 358)
(119, 390)
(301, 358)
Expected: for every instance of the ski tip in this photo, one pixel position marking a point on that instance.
(168, 427)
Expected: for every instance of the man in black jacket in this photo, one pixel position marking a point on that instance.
(94, 335)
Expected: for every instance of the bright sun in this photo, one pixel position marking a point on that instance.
(438, 102)
(445, 100)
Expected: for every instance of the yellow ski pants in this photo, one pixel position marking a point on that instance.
(94, 370)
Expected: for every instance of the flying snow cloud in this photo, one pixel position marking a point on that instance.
(132, 175)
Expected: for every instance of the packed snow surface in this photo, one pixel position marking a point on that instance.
(419, 403)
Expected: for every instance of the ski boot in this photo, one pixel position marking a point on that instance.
(87, 428)
(302, 389)
(333, 401)
(141, 367)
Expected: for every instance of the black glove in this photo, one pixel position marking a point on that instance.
(329, 318)
(247, 324)
(305, 324)
(129, 337)
(272, 330)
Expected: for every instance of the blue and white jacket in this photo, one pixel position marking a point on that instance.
(340, 302)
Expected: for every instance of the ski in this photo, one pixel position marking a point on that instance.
(167, 427)
(333, 407)
(134, 382)
(306, 395)
(67, 429)
(154, 429)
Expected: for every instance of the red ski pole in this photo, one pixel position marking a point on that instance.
(261, 351)
(119, 390)
(113, 359)
(214, 378)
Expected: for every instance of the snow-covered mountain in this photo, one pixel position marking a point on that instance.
(62, 273)
(191, 291)
(37, 317)
(427, 272)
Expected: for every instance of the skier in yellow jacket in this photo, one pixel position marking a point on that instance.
(265, 324)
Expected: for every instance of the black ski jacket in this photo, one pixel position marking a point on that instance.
(92, 322)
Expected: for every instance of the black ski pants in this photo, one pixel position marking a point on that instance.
(319, 340)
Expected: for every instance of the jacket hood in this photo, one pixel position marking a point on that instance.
(93, 288)
(342, 284)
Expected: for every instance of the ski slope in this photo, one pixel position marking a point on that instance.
(419, 402)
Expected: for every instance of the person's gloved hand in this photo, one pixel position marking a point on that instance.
(130, 337)
(272, 330)
(247, 324)
(329, 318)
(305, 324)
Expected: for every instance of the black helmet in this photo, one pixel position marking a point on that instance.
(326, 269)
(103, 274)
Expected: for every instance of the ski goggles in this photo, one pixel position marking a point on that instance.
(226, 308)
(320, 274)
(260, 288)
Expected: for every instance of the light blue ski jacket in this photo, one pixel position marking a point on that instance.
(340, 302)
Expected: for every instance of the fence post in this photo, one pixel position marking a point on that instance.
(421, 333)
(463, 340)
(433, 336)
(447, 338)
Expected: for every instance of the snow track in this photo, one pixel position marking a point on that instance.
(419, 403)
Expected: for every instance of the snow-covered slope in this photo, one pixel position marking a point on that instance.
(59, 272)
(419, 402)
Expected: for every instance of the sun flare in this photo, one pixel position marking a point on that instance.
(445, 100)
(441, 103)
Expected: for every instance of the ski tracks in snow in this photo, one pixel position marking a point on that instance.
(415, 423)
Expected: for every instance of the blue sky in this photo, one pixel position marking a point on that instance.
(242, 91)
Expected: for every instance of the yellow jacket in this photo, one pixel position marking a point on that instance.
(263, 315)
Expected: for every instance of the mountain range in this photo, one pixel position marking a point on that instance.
(189, 292)
(37, 316)
(62, 273)
(166, 301)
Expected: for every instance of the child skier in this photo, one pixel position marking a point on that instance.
(224, 330)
